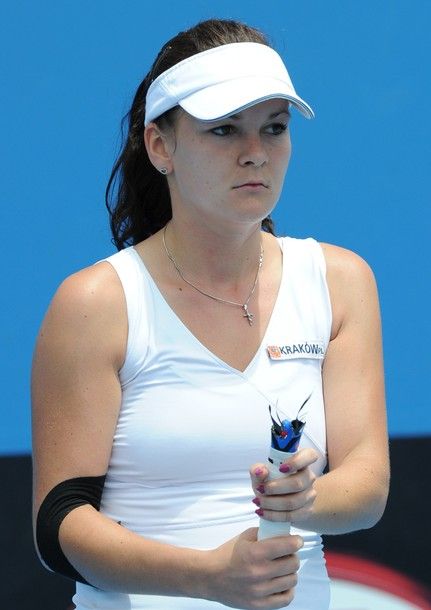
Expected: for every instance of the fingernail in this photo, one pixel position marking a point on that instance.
(258, 472)
(285, 468)
(256, 501)
(261, 489)
(259, 512)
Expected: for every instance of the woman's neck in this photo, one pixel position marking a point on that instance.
(214, 258)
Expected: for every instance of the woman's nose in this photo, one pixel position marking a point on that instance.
(253, 152)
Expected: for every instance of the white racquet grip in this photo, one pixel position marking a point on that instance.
(268, 529)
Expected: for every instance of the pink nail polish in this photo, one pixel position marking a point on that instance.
(285, 468)
(256, 501)
(258, 472)
(259, 512)
(261, 489)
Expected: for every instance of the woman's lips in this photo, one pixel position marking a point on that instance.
(251, 185)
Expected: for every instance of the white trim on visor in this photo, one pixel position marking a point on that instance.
(222, 81)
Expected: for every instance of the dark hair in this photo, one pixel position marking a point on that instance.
(137, 195)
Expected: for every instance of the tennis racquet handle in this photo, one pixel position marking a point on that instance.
(268, 529)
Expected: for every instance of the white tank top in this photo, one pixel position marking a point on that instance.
(190, 425)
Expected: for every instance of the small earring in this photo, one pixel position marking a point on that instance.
(163, 170)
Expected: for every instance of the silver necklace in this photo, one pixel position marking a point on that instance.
(244, 306)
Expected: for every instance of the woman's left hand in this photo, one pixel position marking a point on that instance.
(291, 497)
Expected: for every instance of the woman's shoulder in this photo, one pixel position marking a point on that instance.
(341, 263)
(96, 286)
(345, 265)
(351, 283)
(85, 306)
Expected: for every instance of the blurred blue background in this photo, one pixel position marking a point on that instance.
(359, 176)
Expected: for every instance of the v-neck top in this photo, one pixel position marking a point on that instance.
(190, 425)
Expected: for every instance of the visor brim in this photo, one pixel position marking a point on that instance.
(229, 97)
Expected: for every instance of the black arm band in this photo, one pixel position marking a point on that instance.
(63, 498)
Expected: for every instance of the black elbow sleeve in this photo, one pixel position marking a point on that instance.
(63, 498)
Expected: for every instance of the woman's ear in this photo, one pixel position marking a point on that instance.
(159, 148)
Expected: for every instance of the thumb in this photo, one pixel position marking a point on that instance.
(249, 535)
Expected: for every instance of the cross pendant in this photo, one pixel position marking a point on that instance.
(248, 314)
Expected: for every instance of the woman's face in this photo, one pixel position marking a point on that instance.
(230, 170)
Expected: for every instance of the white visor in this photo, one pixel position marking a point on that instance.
(223, 81)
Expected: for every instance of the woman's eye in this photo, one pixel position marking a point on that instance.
(277, 128)
(223, 130)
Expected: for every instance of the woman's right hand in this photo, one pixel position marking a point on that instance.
(252, 574)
